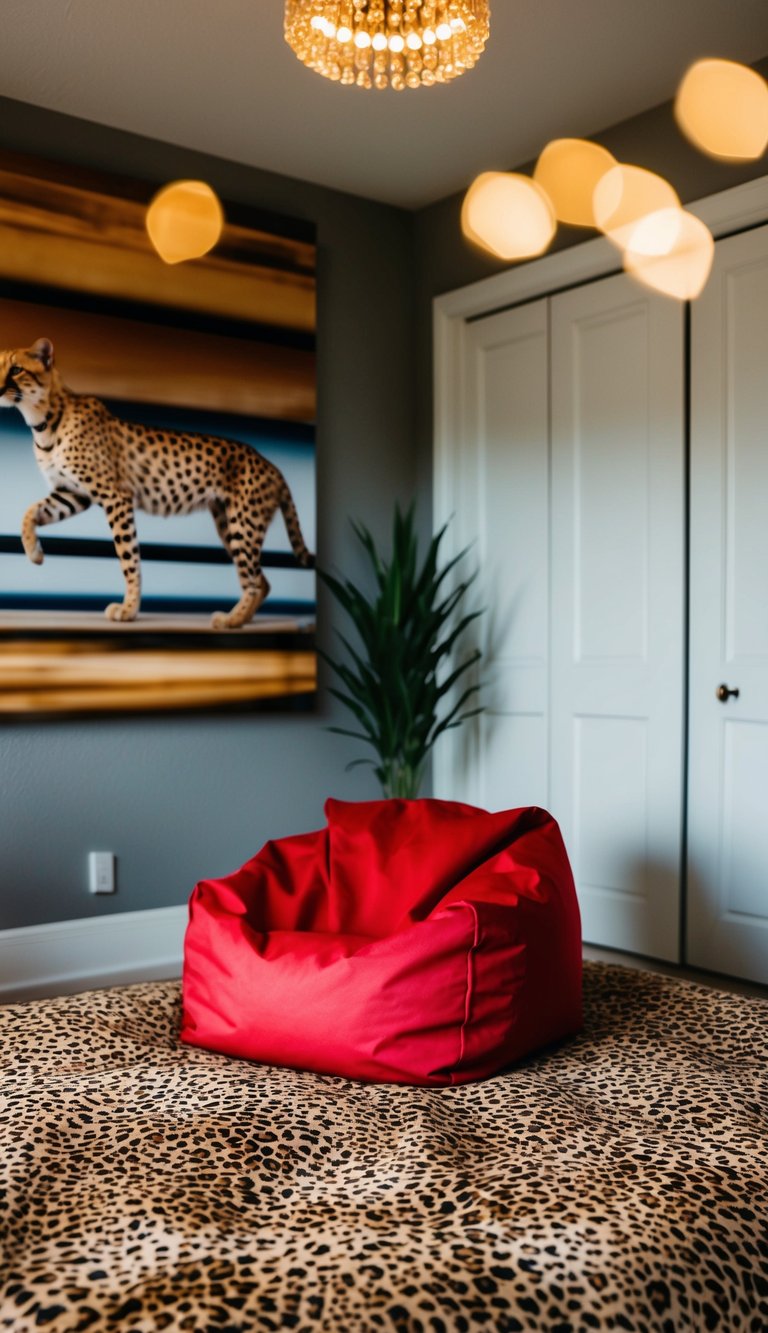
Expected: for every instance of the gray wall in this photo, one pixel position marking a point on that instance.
(181, 798)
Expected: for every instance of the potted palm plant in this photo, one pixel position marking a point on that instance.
(396, 681)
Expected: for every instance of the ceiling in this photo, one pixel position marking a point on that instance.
(216, 75)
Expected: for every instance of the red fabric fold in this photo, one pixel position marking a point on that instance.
(408, 941)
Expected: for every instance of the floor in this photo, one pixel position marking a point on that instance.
(595, 955)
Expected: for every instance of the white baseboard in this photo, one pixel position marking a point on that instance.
(62, 957)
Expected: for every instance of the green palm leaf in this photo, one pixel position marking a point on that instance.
(406, 628)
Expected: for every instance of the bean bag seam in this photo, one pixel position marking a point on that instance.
(470, 989)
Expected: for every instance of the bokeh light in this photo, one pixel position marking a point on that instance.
(184, 221)
(624, 195)
(508, 214)
(722, 107)
(672, 252)
(569, 170)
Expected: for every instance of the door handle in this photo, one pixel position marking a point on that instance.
(724, 694)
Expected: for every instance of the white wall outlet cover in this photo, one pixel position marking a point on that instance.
(101, 872)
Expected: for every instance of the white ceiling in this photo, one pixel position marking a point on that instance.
(217, 75)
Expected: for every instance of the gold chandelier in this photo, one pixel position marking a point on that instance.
(388, 43)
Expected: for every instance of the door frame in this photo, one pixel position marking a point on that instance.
(724, 213)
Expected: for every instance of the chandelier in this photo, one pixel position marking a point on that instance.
(388, 43)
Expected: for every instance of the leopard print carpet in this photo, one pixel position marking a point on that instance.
(618, 1182)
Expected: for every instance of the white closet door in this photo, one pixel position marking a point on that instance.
(618, 608)
(728, 780)
(502, 510)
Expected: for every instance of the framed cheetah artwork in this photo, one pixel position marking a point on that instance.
(157, 500)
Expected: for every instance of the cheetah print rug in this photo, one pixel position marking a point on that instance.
(617, 1182)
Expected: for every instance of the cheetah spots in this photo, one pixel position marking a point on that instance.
(124, 465)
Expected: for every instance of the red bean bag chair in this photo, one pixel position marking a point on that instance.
(406, 942)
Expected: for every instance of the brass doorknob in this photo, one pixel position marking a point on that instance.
(724, 694)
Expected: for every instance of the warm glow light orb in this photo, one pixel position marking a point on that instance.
(508, 214)
(656, 233)
(184, 221)
(569, 170)
(722, 107)
(624, 195)
(672, 252)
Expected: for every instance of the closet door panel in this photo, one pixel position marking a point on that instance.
(507, 491)
(617, 608)
(514, 760)
(728, 783)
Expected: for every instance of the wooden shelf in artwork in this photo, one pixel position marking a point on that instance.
(124, 668)
(49, 624)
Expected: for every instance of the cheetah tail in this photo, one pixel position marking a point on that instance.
(293, 529)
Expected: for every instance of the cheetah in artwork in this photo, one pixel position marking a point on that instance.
(88, 456)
